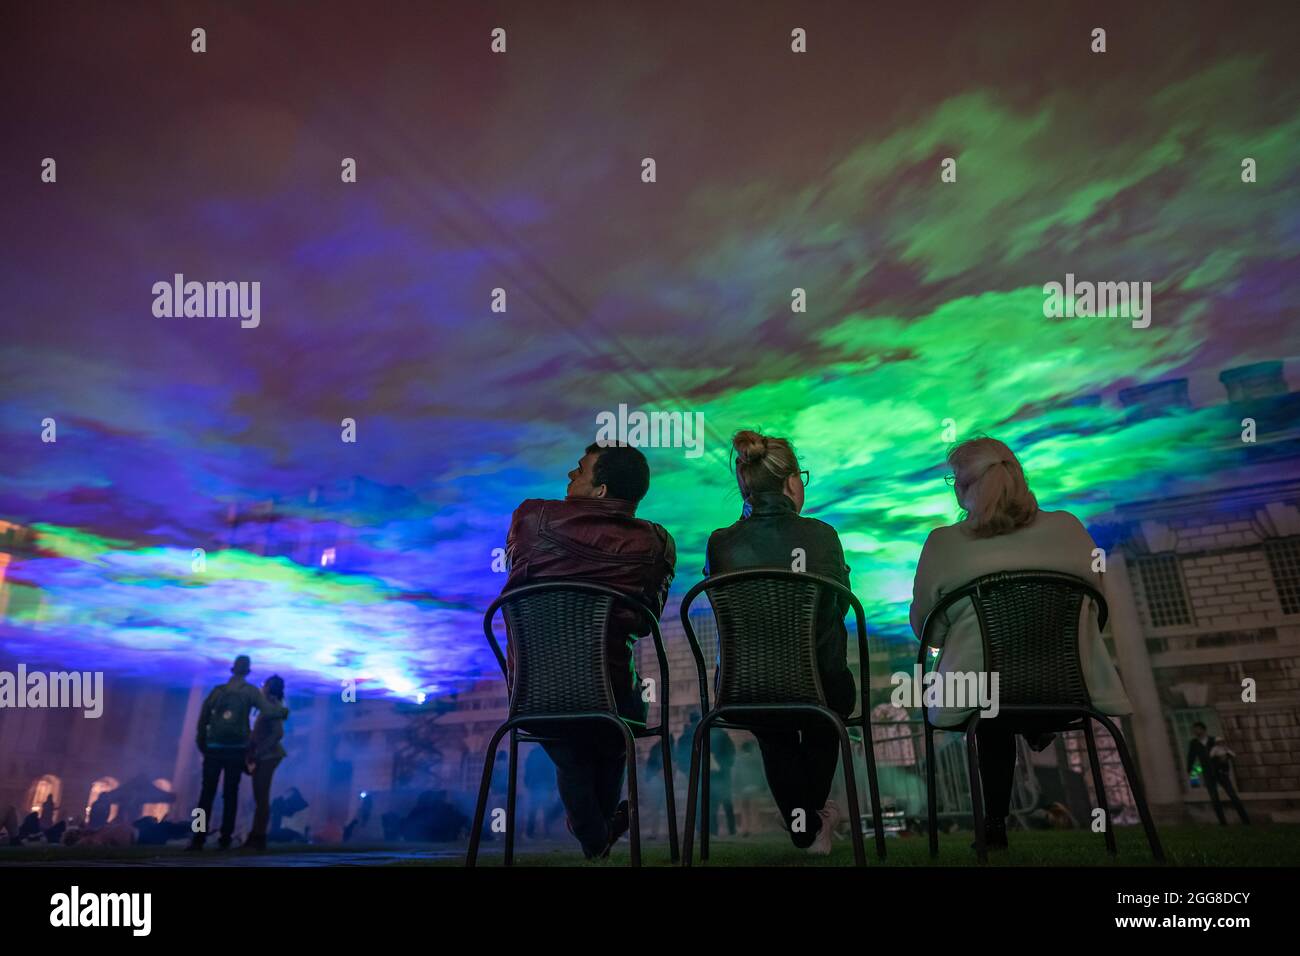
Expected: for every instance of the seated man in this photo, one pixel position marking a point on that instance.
(594, 535)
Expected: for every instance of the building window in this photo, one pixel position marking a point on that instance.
(100, 808)
(48, 787)
(1163, 586)
(1284, 562)
(1257, 635)
(158, 810)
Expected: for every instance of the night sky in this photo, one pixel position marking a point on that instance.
(523, 171)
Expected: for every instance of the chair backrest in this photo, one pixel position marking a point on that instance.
(1029, 624)
(557, 630)
(767, 634)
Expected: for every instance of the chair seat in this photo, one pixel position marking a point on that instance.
(638, 728)
(1068, 722)
(768, 679)
(561, 680)
(853, 723)
(1029, 628)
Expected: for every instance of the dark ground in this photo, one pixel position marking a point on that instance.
(1185, 846)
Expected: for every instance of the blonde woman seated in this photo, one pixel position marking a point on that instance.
(1003, 529)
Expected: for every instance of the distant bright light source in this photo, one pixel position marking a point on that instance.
(327, 557)
(420, 697)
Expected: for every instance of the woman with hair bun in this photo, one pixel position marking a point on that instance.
(265, 751)
(1002, 528)
(799, 763)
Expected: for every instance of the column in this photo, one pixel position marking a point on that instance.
(1160, 772)
(185, 773)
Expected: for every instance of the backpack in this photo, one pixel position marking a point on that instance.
(228, 722)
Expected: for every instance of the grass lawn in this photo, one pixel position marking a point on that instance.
(1193, 845)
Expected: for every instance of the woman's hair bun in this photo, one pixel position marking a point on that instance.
(750, 446)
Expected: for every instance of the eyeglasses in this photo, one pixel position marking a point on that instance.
(805, 476)
(950, 479)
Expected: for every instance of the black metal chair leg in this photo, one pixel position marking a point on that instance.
(1135, 785)
(633, 801)
(706, 810)
(692, 779)
(512, 777)
(930, 795)
(873, 787)
(670, 798)
(1099, 785)
(481, 804)
(976, 793)
(851, 794)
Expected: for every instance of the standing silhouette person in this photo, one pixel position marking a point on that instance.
(100, 811)
(543, 795)
(1212, 759)
(265, 751)
(222, 737)
(749, 783)
(47, 812)
(722, 753)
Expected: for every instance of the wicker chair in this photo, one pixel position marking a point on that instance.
(558, 631)
(767, 665)
(1029, 624)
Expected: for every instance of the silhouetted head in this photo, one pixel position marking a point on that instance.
(274, 686)
(1198, 729)
(767, 464)
(990, 487)
(241, 666)
(610, 471)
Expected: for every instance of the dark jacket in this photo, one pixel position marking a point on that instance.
(765, 539)
(252, 698)
(1197, 751)
(601, 541)
(268, 731)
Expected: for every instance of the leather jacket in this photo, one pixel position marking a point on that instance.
(765, 539)
(601, 541)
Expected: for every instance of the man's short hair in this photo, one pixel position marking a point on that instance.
(1198, 724)
(242, 665)
(622, 469)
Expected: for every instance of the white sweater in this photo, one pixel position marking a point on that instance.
(1053, 541)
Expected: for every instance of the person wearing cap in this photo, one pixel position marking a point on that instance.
(223, 737)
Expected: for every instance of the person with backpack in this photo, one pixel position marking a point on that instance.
(223, 738)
